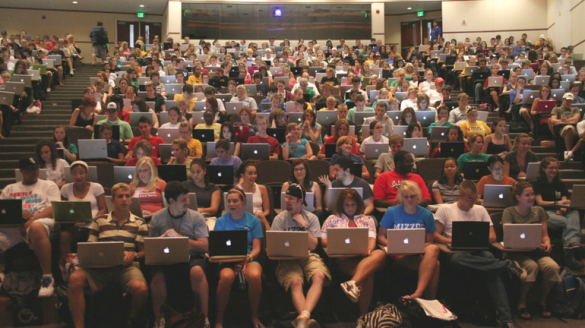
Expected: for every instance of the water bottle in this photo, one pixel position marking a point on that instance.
(241, 279)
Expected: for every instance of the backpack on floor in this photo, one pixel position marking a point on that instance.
(567, 298)
(384, 315)
(176, 319)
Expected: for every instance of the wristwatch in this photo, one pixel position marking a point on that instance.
(136, 257)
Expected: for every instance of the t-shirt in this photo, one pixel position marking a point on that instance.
(216, 127)
(234, 161)
(154, 141)
(248, 102)
(385, 185)
(332, 140)
(95, 190)
(308, 137)
(191, 225)
(284, 222)
(194, 147)
(342, 221)
(274, 144)
(195, 80)
(170, 125)
(106, 229)
(456, 115)
(297, 150)
(248, 222)
(36, 197)
(536, 214)
(449, 195)
(150, 200)
(370, 140)
(56, 174)
(550, 192)
(203, 195)
(514, 167)
(330, 81)
(489, 179)
(396, 218)
(354, 158)
(385, 162)
(449, 213)
(469, 157)
(567, 113)
(478, 127)
(125, 128)
(114, 148)
(159, 101)
(356, 183)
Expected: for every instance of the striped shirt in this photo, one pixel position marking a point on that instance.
(105, 228)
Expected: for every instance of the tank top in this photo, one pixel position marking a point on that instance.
(494, 148)
(83, 122)
(256, 199)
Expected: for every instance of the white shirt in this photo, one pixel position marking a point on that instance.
(408, 103)
(95, 190)
(434, 96)
(309, 85)
(58, 173)
(448, 213)
(370, 140)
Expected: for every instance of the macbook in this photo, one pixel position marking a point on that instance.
(277, 133)
(373, 151)
(220, 174)
(576, 201)
(347, 241)
(228, 244)
(532, 170)
(400, 129)
(497, 196)
(242, 133)
(333, 194)
(173, 88)
(93, 149)
(522, 236)
(405, 241)
(6, 98)
(439, 134)
(124, 173)
(168, 135)
(255, 151)
(415, 146)
(545, 106)
(475, 170)
(470, 235)
(495, 82)
(26, 79)
(295, 117)
(166, 250)
(11, 212)
(326, 117)
(198, 118)
(165, 151)
(174, 172)
(204, 135)
(192, 201)
(330, 150)
(426, 117)
(232, 108)
(71, 211)
(100, 254)
(541, 80)
(287, 244)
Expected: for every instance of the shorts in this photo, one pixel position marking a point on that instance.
(100, 51)
(566, 129)
(99, 278)
(180, 269)
(9, 237)
(287, 271)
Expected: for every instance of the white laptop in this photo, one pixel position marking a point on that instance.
(92, 149)
(482, 115)
(405, 241)
(100, 254)
(169, 134)
(373, 151)
(333, 194)
(166, 250)
(415, 146)
(522, 236)
(497, 196)
(347, 241)
(310, 200)
(287, 244)
(248, 206)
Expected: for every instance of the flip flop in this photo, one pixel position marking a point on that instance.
(524, 314)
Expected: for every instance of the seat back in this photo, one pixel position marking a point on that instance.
(74, 133)
(318, 168)
(105, 171)
(314, 148)
(430, 168)
(273, 171)
(497, 221)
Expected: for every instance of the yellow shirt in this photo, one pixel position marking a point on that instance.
(195, 147)
(190, 104)
(195, 80)
(478, 127)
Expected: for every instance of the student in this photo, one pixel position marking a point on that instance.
(498, 142)
(497, 177)
(115, 148)
(139, 105)
(459, 115)
(311, 129)
(61, 141)
(147, 186)
(195, 149)
(262, 137)
(242, 96)
(46, 153)
(340, 129)
(125, 129)
(222, 149)
(208, 194)
(517, 105)
(295, 146)
(475, 143)
(516, 161)
(360, 106)
(247, 174)
(245, 114)
(472, 125)
(179, 150)
(565, 114)
(208, 116)
(385, 161)
(376, 136)
(442, 118)
(344, 147)
(145, 126)
(142, 149)
(381, 109)
(174, 119)
(446, 188)
(84, 116)
(454, 134)
(494, 91)
(411, 101)
(301, 175)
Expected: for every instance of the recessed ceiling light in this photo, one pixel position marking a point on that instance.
(141, 6)
(409, 8)
(74, 2)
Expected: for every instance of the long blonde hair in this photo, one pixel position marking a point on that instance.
(154, 179)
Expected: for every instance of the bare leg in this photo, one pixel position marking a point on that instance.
(65, 239)
(425, 265)
(574, 150)
(496, 98)
(431, 291)
(314, 292)
(200, 287)
(41, 246)
(224, 288)
(298, 297)
(526, 115)
(77, 283)
(158, 290)
(254, 279)
(524, 289)
(139, 291)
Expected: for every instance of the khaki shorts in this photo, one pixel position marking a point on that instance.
(98, 279)
(10, 237)
(566, 129)
(287, 271)
(100, 51)
(533, 263)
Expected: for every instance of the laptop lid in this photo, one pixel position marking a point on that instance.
(103, 254)
(439, 133)
(374, 150)
(165, 151)
(204, 135)
(115, 131)
(92, 149)
(541, 80)
(475, 170)
(211, 150)
(242, 133)
(531, 170)
(576, 201)
(296, 117)
(124, 173)
(528, 96)
(482, 116)
(11, 212)
(400, 95)
(220, 174)
(470, 235)
(497, 196)
(330, 150)
(557, 94)
(193, 201)
(360, 117)
(347, 241)
(174, 172)
(333, 194)
(284, 244)
(135, 208)
(277, 133)
(470, 69)
(248, 206)
(92, 174)
(326, 117)
(522, 236)
(400, 129)
(425, 117)
(173, 88)
(545, 106)
(232, 108)
(405, 241)
(228, 243)
(168, 134)
(26, 79)
(72, 211)
(415, 146)
(15, 87)
(309, 199)
(165, 251)
(495, 81)
(459, 66)
(255, 151)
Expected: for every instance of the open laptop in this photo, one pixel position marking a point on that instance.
(135, 208)
(198, 117)
(295, 117)
(166, 250)
(373, 151)
(115, 131)
(277, 133)
(242, 133)
(174, 172)
(528, 96)
(168, 135)
(425, 117)
(11, 212)
(287, 244)
(470, 69)
(347, 241)
(522, 236)
(220, 174)
(459, 66)
(495, 82)
(416, 146)
(309, 199)
(326, 117)
(497, 196)
(228, 244)
(482, 116)
(93, 149)
(71, 211)
(532, 170)
(577, 202)
(135, 117)
(204, 135)
(545, 106)
(232, 108)
(557, 94)
(6, 98)
(173, 88)
(255, 151)
(103, 254)
(541, 80)
(400, 95)
(124, 173)
(401, 130)
(470, 235)
(192, 201)
(333, 194)
(16, 87)
(360, 117)
(405, 241)
(248, 206)
(475, 170)
(330, 150)
(165, 151)
(440, 134)
(211, 150)
(26, 79)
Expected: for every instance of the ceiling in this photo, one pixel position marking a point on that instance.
(401, 7)
(151, 7)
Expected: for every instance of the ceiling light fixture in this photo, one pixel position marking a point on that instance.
(409, 8)
(74, 2)
(141, 6)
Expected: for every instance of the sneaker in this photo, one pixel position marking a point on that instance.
(507, 325)
(314, 324)
(160, 323)
(573, 245)
(351, 290)
(568, 155)
(516, 270)
(205, 325)
(48, 89)
(300, 322)
(47, 287)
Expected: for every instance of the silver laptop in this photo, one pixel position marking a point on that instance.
(283, 244)
(173, 88)
(522, 236)
(124, 173)
(360, 117)
(459, 66)
(541, 80)
(92, 174)
(135, 208)
(164, 116)
(401, 95)
(36, 74)
(333, 194)
(71, 211)
(56, 58)
(326, 117)
(15, 87)
(166, 250)
(168, 79)
(470, 69)
(211, 150)
(295, 117)
(169, 134)
(248, 206)
(232, 108)
(495, 82)
(405, 241)
(310, 200)
(482, 116)
(401, 129)
(576, 201)
(557, 94)
(198, 117)
(42, 174)
(200, 106)
(26, 79)
(497, 196)
(90, 149)
(255, 151)
(100, 254)
(532, 170)
(569, 77)
(193, 201)
(373, 151)
(529, 73)
(49, 62)
(347, 241)
(528, 96)
(415, 146)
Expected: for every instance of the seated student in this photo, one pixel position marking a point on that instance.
(385, 187)
(242, 96)
(344, 147)
(459, 115)
(472, 125)
(342, 169)
(247, 175)
(274, 99)
(340, 129)
(125, 129)
(262, 137)
(104, 229)
(524, 212)
(425, 86)
(446, 188)
(349, 212)
(408, 117)
(300, 174)
(151, 95)
(245, 115)
(36, 196)
(277, 119)
(115, 148)
(516, 161)
(516, 99)
(551, 191)
(408, 214)
(209, 118)
(387, 124)
(493, 92)
(384, 94)
(290, 273)
(46, 154)
(440, 94)
(483, 262)
(498, 142)
(147, 186)
(179, 157)
(187, 96)
(295, 146)
(454, 134)
(61, 141)
(326, 93)
(208, 194)
(360, 106)
(142, 149)
(543, 95)
(145, 126)
(565, 114)
(475, 143)
(222, 149)
(85, 115)
(497, 177)
(139, 105)
(194, 147)
(415, 131)
(411, 100)
(174, 119)
(385, 161)
(311, 129)
(376, 137)
(442, 118)
(191, 224)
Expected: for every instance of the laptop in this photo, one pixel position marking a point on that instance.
(531, 170)
(11, 212)
(135, 208)
(200, 106)
(440, 134)
(405, 241)
(522, 236)
(459, 66)
(400, 129)
(470, 235)
(528, 96)
(545, 106)
(6, 98)
(198, 117)
(228, 244)
(576, 202)
(220, 174)
(135, 117)
(168, 134)
(277, 133)
(42, 174)
(204, 135)
(556, 94)
(192, 201)
(91, 176)
(400, 95)
(296, 117)
(166, 250)
(569, 77)
(15, 87)
(173, 172)
(425, 117)
(482, 116)
(497, 196)
(242, 133)
(211, 150)
(72, 211)
(287, 244)
(26, 79)
(373, 151)
(173, 88)
(255, 151)
(115, 131)
(326, 117)
(330, 150)
(416, 146)
(347, 241)
(93, 149)
(56, 59)
(310, 200)
(165, 151)
(333, 194)
(248, 206)
(224, 97)
(541, 80)
(360, 117)
(103, 254)
(495, 82)
(470, 69)
(475, 170)
(124, 173)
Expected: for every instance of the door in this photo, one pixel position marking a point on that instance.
(427, 25)
(128, 31)
(151, 30)
(410, 36)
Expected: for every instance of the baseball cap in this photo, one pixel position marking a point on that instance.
(297, 191)
(542, 36)
(4, 33)
(112, 107)
(439, 80)
(568, 96)
(28, 163)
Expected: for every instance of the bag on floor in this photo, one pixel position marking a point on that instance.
(176, 319)
(384, 315)
(567, 298)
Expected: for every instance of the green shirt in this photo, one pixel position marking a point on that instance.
(567, 113)
(537, 214)
(351, 113)
(468, 157)
(125, 128)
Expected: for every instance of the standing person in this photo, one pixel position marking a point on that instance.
(99, 41)
(436, 32)
(179, 221)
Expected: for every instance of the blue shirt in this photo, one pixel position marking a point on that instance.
(435, 32)
(396, 218)
(297, 150)
(513, 96)
(249, 222)
(354, 158)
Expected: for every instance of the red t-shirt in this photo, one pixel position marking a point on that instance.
(124, 116)
(154, 141)
(150, 200)
(332, 140)
(274, 144)
(132, 161)
(386, 183)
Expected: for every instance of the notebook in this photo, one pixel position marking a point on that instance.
(173, 172)
(522, 236)
(165, 151)
(72, 211)
(333, 194)
(93, 149)
(470, 235)
(416, 146)
(545, 106)
(11, 212)
(6, 98)
(541, 80)
(100, 254)
(373, 151)
(440, 134)
(220, 174)
(295, 117)
(309, 199)
(326, 117)
(173, 88)
(242, 133)
(495, 81)
(405, 241)
(168, 135)
(255, 151)
(400, 129)
(287, 244)
(497, 196)
(277, 133)
(166, 250)
(228, 244)
(204, 135)
(26, 79)
(426, 117)
(475, 170)
(347, 241)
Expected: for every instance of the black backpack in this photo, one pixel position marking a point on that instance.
(101, 36)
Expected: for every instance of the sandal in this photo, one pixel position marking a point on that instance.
(524, 314)
(544, 312)
(406, 300)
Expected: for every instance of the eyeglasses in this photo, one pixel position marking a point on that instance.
(300, 169)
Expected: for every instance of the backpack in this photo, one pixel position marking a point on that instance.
(568, 296)
(384, 315)
(22, 287)
(519, 127)
(101, 36)
(417, 317)
(176, 319)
